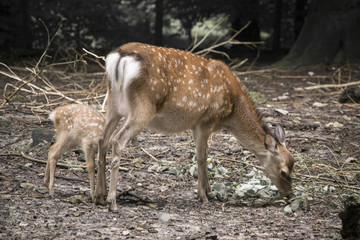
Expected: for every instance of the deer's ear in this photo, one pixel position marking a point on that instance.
(270, 143)
(280, 134)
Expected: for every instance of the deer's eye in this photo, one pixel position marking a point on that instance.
(283, 173)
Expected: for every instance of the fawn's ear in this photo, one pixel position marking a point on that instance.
(280, 134)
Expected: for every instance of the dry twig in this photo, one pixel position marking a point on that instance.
(332, 85)
(21, 154)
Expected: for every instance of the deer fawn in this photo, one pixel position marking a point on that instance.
(169, 90)
(75, 125)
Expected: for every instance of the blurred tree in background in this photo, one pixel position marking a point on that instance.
(101, 25)
(331, 34)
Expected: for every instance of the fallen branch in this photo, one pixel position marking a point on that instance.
(21, 154)
(242, 162)
(128, 192)
(332, 85)
(149, 154)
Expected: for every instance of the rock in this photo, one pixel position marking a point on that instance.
(251, 192)
(40, 134)
(222, 195)
(281, 98)
(350, 95)
(42, 189)
(77, 169)
(211, 195)
(152, 230)
(319, 105)
(250, 174)
(28, 165)
(76, 199)
(281, 111)
(23, 224)
(221, 171)
(233, 140)
(165, 217)
(175, 170)
(288, 209)
(350, 218)
(220, 191)
(218, 187)
(297, 120)
(193, 170)
(263, 193)
(350, 160)
(27, 185)
(230, 186)
(239, 193)
(347, 118)
(126, 233)
(295, 205)
(334, 125)
(311, 73)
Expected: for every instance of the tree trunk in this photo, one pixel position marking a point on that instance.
(300, 14)
(330, 35)
(277, 25)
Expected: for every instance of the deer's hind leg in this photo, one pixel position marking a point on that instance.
(141, 113)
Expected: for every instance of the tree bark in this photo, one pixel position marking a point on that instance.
(300, 14)
(330, 35)
(277, 24)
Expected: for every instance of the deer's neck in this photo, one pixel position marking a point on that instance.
(247, 125)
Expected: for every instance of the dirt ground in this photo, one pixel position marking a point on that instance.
(160, 202)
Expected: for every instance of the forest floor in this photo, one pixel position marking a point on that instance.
(158, 198)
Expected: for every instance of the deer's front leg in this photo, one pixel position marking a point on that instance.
(201, 136)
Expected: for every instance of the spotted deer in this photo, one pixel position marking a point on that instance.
(169, 90)
(75, 125)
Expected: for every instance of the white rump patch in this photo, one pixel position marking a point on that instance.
(129, 68)
(112, 61)
(52, 115)
(126, 69)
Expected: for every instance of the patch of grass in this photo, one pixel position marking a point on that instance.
(19, 98)
(257, 97)
(330, 180)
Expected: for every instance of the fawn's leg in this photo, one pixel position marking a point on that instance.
(90, 152)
